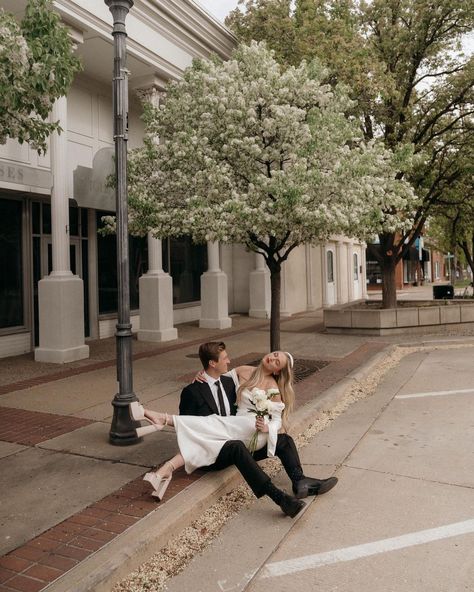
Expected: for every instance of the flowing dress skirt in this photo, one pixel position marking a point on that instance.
(200, 439)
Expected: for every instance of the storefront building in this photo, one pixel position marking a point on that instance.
(58, 281)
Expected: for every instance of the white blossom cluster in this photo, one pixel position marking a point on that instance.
(37, 65)
(256, 154)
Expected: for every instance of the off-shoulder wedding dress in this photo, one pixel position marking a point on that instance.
(200, 439)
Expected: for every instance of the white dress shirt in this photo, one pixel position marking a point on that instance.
(212, 385)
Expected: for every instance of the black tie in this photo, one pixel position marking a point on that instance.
(220, 398)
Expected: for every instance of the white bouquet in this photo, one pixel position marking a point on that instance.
(260, 399)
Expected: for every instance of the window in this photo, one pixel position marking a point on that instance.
(185, 262)
(436, 270)
(11, 263)
(330, 266)
(374, 272)
(107, 268)
(356, 266)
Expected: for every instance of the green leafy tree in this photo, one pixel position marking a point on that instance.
(37, 66)
(452, 223)
(253, 154)
(413, 86)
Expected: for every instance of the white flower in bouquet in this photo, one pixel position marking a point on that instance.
(260, 399)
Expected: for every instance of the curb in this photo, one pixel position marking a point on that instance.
(114, 561)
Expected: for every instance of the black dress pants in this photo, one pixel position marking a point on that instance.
(234, 452)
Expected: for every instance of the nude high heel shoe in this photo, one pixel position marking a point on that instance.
(159, 484)
(137, 412)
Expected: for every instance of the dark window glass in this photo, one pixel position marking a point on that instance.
(165, 252)
(356, 266)
(374, 272)
(330, 266)
(187, 262)
(50, 258)
(36, 279)
(46, 219)
(72, 259)
(36, 209)
(85, 277)
(84, 223)
(11, 264)
(73, 221)
(107, 268)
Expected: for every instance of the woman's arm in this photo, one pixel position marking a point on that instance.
(244, 372)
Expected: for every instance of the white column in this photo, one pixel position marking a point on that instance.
(260, 290)
(59, 194)
(156, 298)
(350, 271)
(61, 295)
(155, 287)
(338, 274)
(214, 298)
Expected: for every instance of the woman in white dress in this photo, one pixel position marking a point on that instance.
(200, 439)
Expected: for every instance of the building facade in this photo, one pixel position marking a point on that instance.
(58, 280)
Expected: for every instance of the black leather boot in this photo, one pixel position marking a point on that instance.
(309, 486)
(290, 505)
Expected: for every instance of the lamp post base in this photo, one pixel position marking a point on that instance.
(123, 431)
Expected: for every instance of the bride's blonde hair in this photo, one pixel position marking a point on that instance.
(284, 380)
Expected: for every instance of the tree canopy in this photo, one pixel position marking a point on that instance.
(37, 66)
(452, 222)
(412, 84)
(256, 154)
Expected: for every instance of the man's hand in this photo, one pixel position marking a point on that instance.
(260, 424)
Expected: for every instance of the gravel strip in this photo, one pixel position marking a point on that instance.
(180, 550)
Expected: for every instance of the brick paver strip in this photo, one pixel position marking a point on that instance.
(29, 428)
(60, 548)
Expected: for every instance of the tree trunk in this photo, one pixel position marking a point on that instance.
(275, 283)
(389, 285)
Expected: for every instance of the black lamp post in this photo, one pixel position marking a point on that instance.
(122, 430)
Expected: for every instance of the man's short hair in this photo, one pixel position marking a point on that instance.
(210, 351)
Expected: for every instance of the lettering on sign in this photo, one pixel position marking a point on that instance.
(14, 174)
(24, 175)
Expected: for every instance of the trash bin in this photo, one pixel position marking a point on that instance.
(442, 292)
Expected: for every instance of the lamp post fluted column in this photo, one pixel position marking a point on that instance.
(122, 430)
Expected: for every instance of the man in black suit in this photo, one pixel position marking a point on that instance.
(206, 398)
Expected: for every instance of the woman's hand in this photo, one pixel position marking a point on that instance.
(260, 424)
(200, 377)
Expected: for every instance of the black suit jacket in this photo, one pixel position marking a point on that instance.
(197, 399)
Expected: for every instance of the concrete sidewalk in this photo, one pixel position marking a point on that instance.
(401, 517)
(75, 506)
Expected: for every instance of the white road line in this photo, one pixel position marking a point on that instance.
(282, 568)
(435, 394)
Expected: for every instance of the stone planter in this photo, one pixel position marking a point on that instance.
(363, 317)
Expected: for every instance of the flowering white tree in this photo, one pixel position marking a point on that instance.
(37, 66)
(254, 154)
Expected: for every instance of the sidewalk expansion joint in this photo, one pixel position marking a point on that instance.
(112, 461)
(390, 474)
